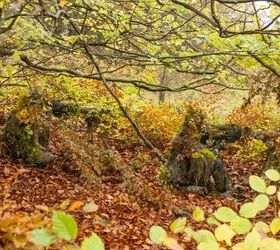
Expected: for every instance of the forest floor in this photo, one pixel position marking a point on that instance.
(126, 209)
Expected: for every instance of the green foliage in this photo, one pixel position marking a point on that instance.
(42, 237)
(255, 234)
(92, 243)
(257, 184)
(225, 214)
(178, 225)
(157, 234)
(198, 214)
(204, 153)
(252, 149)
(163, 174)
(64, 225)
(273, 175)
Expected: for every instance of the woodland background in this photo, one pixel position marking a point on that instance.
(110, 84)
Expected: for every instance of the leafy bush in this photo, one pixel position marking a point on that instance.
(251, 149)
(257, 115)
(241, 230)
(158, 123)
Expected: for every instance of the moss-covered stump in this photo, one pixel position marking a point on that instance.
(24, 135)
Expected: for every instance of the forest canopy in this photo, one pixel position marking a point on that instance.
(227, 44)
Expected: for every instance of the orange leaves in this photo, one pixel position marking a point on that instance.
(88, 207)
(75, 205)
(16, 229)
(254, 115)
(23, 114)
(159, 123)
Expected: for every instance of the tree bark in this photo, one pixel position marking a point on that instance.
(163, 83)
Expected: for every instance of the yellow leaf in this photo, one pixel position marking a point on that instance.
(90, 207)
(270, 244)
(271, 190)
(75, 205)
(224, 233)
(42, 207)
(252, 241)
(275, 226)
(239, 246)
(62, 3)
(20, 240)
(171, 243)
(64, 204)
(198, 214)
(178, 225)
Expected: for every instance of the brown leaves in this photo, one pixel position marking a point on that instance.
(120, 212)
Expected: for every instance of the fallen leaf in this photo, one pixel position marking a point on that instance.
(75, 205)
(64, 204)
(42, 207)
(90, 207)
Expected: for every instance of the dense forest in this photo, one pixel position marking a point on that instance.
(140, 124)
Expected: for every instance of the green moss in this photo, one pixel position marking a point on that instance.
(204, 153)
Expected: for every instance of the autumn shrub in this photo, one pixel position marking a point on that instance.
(229, 229)
(158, 123)
(14, 229)
(251, 149)
(257, 115)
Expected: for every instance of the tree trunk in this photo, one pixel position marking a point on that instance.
(163, 82)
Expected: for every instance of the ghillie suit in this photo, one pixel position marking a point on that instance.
(25, 134)
(27, 137)
(190, 162)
